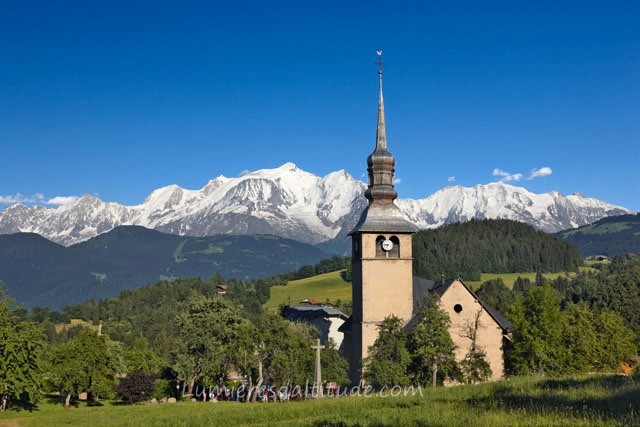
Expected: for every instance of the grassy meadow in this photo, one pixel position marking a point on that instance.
(320, 288)
(591, 400)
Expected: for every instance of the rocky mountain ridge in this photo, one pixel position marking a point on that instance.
(289, 202)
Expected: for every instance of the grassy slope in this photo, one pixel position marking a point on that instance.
(331, 285)
(328, 285)
(591, 400)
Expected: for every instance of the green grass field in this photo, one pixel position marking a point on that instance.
(320, 288)
(591, 400)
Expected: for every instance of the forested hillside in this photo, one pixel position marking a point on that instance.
(616, 235)
(37, 272)
(489, 246)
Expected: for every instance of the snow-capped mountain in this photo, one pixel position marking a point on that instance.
(290, 202)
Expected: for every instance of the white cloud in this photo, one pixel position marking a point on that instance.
(543, 171)
(506, 176)
(19, 198)
(244, 172)
(396, 181)
(451, 179)
(62, 200)
(37, 198)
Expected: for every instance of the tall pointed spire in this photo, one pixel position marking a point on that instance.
(381, 131)
(381, 215)
(381, 164)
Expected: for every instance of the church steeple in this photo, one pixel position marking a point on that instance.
(381, 214)
(381, 255)
(381, 164)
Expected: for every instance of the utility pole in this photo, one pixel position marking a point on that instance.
(318, 372)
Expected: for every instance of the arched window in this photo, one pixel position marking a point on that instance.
(395, 250)
(380, 253)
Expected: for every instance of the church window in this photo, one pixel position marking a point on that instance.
(395, 251)
(380, 253)
(457, 308)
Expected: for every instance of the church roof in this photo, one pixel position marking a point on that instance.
(382, 215)
(383, 218)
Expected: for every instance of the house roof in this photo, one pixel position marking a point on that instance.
(307, 312)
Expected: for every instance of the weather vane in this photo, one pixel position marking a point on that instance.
(379, 62)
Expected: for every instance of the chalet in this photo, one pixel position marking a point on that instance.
(324, 317)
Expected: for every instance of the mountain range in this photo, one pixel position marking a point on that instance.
(38, 272)
(289, 202)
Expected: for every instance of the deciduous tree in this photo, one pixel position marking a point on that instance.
(21, 343)
(431, 346)
(388, 359)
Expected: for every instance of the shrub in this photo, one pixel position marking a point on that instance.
(136, 387)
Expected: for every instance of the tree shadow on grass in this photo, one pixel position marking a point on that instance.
(326, 423)
(571, 397)
(18, 406)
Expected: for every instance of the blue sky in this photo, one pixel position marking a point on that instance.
(117, 98)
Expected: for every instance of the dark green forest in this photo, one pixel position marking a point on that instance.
(489, 246)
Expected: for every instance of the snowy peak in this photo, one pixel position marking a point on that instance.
(290, 202)
(548, 212)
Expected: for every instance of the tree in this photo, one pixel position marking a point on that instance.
(136, 387)
(496, 294)
(474, 366)
(21, 343)
(244, 352)
(537, 332)
(335, 368)
(431, 345)
(579, 337)
(89, 362)
(285, 350)
(616, 340)
(207, 329)
(388, 358)
(141, 358)
(521, 286)
(64, 371)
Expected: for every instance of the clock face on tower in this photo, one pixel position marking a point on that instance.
(387, 245)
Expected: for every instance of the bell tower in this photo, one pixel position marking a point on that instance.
(381, 278)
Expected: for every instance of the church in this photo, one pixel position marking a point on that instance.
(382, 274)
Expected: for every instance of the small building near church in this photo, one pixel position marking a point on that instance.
(323, 317)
